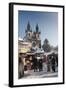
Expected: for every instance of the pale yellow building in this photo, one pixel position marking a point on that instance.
(23, 46)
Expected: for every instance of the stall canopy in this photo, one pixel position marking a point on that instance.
(39, 51)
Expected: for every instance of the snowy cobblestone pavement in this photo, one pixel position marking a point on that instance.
(42, 74)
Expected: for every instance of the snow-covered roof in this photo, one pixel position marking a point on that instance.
(48, 53)
(20, 39)
(39, 51)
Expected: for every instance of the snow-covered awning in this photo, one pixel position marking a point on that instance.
(20, 39)
(39, 51)
(50, 53)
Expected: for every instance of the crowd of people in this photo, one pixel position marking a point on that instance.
(51, 62)
(38, 64)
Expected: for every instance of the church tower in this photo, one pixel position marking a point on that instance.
(36, 42)
(28, 32)
(33, 36)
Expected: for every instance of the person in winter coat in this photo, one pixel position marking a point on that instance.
(21, 68)
(53, 63)
(40, 65)
(35, 64)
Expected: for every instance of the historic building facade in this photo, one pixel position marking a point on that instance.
(33, 36)
(23, 46)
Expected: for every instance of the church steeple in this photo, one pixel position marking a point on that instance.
(28, 27)
(37, 28)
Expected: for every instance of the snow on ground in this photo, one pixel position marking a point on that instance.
(41, 74)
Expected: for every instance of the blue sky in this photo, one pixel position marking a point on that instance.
(47, 21)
